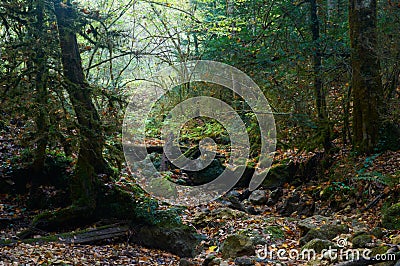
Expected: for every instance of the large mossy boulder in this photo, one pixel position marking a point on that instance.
(320, 227)
(278, 175)
(391, 217)
(180, 240)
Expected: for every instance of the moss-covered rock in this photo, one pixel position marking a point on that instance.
(362, 240)
(163, 188)
(237, 245)
(313, 222)
(217, 216)
(318, 245)
(275, 232)
(391, 217)
(325, 232)
(377, 232)
(379, 250)
(278, 175)
(180, 240)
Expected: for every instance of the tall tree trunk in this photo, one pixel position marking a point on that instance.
(41, 71)
(39, 79)
(319, 90)
(366, 80)
(90, 160)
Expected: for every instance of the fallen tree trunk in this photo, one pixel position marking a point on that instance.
(87, 236)
(96, 234)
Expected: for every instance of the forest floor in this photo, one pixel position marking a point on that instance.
(351, 193)
(286, 237)
(216, 220)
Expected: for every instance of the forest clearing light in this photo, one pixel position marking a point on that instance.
(144, 100)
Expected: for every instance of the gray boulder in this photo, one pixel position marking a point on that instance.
(258, 197)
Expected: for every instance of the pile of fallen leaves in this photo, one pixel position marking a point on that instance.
(70, 254)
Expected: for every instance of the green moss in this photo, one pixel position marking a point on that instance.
(391, 217)
(275, 232)
(379, 250)
(163, 188)
(277, 176)
(237, 245)
(325, 232)
(361, 241)
(318, 245)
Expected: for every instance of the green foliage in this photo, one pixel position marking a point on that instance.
(200, 128)
(275, 232)
(391, 217)
(145, 210)
(378, 178)
(336, 188)
(374, 176)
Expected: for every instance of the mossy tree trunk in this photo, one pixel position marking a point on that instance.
(319, 90)
(41, 70)
(90, 160)
(367, 90)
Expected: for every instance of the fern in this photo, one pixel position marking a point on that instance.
(376, 177)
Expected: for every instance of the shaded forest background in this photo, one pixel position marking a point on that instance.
(329, 69)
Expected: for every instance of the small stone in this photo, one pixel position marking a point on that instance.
(233, 193)
(396, 240)
(251, 210)
(244, 261)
